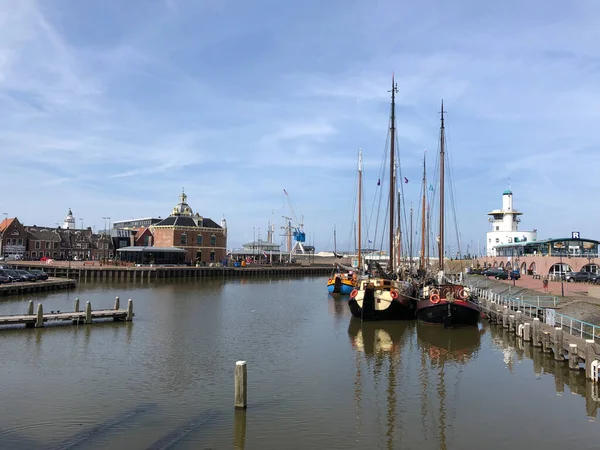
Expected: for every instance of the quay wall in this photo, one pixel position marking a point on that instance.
(81, 272)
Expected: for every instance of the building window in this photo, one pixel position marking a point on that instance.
(183, 240)
(56, 245)
(497, 228)
(198, 256)
(37, 245)
(199, 239)
(213, 241)
(212, 255)
(34, 254)
(497, 240)
(20, 241)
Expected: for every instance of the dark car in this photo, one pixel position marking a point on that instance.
(26, 275)
(39, 274)
(493, 272)
(4, 278)
(578, 276)
(14, 276)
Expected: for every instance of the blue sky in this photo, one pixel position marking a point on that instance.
(111, 107)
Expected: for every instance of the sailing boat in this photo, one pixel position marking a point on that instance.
(384, 297)
(344, 282)
(446, 304)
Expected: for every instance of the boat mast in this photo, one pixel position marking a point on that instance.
(360, 270)
(423, 213)
(399, 234)
(334, 243)
(442, 158)
(410, 242)
(392, 184)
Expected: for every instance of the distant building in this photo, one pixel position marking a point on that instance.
(13, 238)
(135, 224)
(505, 226)
(203, 239)
(69, 222)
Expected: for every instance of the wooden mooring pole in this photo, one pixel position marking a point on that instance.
(240, 385)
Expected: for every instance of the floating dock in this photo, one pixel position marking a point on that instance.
(51, 284)
(37, 320)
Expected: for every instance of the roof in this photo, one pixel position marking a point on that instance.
(545, 241)
(43, 234)
(139, 249)
(6, 223)
(187, 221)
(507, 192)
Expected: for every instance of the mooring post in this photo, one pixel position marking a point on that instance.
(527, 331)
(511, 322)
(88, 312)
(505, 317)
(536, 333)
(518, 320)
(498, 316)
(40, 316)
(77, 304)
(117, 303)
(590, 357)
(30, 308)
(240, 385)
(546, 345)
(573, 357)
(558, 344)
(129, 317)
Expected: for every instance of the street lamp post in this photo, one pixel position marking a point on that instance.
(562, 286)
(3, 240)
(104, 243)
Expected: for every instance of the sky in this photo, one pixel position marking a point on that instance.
(111, 108)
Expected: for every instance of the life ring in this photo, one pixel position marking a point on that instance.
(394, 294)
(434, 298)
(353, 293)
(462, 294)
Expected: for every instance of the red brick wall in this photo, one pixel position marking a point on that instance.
(169, 237)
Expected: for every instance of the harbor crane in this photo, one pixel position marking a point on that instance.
(295, 229)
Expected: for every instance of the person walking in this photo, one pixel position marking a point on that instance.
(545, 284)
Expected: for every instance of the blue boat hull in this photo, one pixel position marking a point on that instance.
(344, 289)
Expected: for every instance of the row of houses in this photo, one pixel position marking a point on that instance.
(181, 237)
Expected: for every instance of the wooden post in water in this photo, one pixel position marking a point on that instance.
(505, 317)
(40, 316)
(129, 317)
(116, 303)
(546, 345)
(590, 357)
(527, 332)
(573, 357)
(30, 313)
(77, 304)
(558, 344)
(240, 385)
(536, 333)
(498, 316)
(518, 319)
(88, 312)
(511, 322)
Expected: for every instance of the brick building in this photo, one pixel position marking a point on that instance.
(13, 238)
(203, 239)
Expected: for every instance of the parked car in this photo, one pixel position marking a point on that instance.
(14, 276)
(493, 272)
(578, 276)
(4, 278)
(39, 274)
(26, 275)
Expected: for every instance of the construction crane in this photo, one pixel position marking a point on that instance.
(297, 230)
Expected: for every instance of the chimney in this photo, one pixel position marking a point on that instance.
(150, 241)
(131, 239)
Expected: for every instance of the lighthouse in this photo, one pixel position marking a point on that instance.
(505, 226)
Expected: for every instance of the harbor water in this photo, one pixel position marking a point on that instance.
(317, 378)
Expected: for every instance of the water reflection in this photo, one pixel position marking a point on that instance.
(380, 344)
(514, 350)
(442, 350)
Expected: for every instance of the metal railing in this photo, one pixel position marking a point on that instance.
(535, 307)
